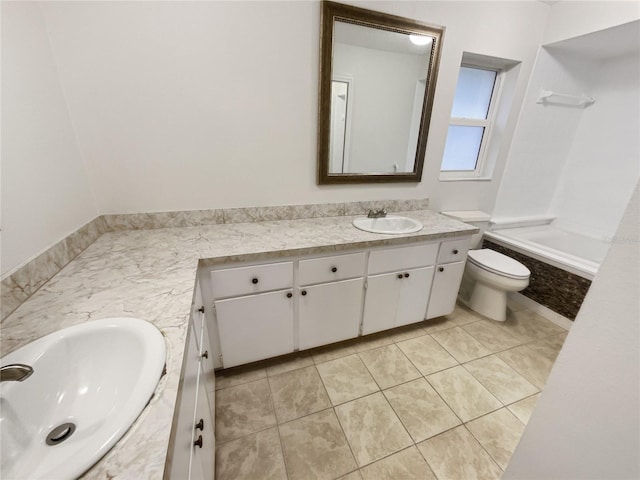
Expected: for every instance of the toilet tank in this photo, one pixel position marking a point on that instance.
(473, 217)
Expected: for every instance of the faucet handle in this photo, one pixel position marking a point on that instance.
(377, 213)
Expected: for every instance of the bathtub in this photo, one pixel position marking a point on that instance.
(569, 251)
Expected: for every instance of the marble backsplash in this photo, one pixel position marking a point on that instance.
(19, 285)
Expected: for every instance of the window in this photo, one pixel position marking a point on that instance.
(472, 118)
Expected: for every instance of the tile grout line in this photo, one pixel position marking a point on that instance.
(333, 408)
(277, 426)
(483, 447)
(396, 342)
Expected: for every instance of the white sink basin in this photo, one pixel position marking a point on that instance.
(390, 224)
(92, 381)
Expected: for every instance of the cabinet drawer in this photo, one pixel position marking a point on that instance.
(233, 282)
(454, 250)
(328, 269)
(402, 258)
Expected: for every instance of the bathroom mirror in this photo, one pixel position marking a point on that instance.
(377, 82)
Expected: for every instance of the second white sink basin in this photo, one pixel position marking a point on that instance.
(391, 224)
(89, 384)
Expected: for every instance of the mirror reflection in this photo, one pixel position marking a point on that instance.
(378, 75)
(387, 75)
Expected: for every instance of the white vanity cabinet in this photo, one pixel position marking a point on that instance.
(398, 286)
(193, 453)
(270, 309)
(329, 299)
(447, 277)
(257, 321)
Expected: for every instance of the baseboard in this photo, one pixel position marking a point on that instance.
(541, 310)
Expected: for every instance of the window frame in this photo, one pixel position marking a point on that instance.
(480, 171)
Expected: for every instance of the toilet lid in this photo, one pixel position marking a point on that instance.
(498, 263)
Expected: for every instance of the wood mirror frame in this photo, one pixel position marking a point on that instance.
(332, 12)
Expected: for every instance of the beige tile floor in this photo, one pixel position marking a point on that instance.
(443, 399)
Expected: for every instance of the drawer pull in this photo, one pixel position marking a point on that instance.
(455, 251)
(441, 269)
(289, 295)
(200, 425)
(303, 292)
(201, 309)
(254, 280)
(399, 275)
(205, 354)
(406, 275)
(198, 442)
(334, 269)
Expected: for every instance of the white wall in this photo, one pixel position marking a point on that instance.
(603, 163)
(384, 85)
(586, 423)
(45, 190)
(197, 105)
(208, 105)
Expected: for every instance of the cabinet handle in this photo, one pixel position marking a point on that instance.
(303, 292)
(198, 442)
(399, 275)
(200, 425)
(205, 354)
(254, 280)
(455, 251)
(406, 275)
(201, 309)
(441, 269)
(289, 295)
(334, 269)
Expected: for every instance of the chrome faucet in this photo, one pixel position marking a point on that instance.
(15, 372)
(377, 213)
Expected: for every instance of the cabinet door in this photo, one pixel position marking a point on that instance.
(329, 312)
(381, 302)
(184, 422)
(197, 316)
(255, 327)
(414, 296)
(208, 377)
(203, 457)
(446, 283)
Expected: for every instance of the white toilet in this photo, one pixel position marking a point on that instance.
(488, 275)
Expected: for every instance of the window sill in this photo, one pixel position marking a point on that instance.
(447, 178)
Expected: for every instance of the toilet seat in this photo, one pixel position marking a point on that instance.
(498, 263)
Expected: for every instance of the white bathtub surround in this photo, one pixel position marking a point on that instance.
(20, 283)
(150, 274)
(573, 252)
(578, 165)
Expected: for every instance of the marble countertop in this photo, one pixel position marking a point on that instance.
(150, 274)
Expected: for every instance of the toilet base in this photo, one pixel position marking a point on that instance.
(488, 301)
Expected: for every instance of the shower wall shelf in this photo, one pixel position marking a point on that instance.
(549, 97)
